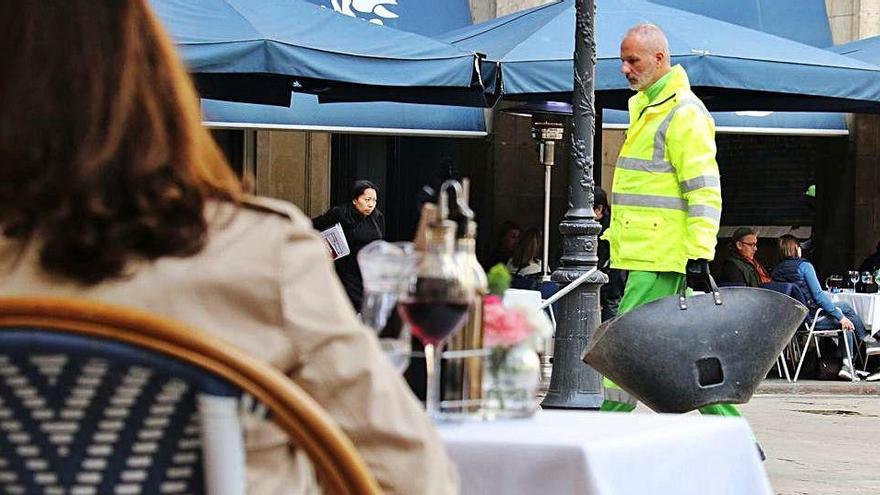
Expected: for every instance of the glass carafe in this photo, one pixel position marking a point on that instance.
(384, 267)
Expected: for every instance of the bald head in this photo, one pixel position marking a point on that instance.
(644, 56)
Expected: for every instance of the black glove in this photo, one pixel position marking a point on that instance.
(697, 267)
(697, 272)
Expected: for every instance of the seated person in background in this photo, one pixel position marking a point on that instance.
(112, 190)
(507, 242)
(525, 264)
(872, 262)
(741, 267)
(796, 270)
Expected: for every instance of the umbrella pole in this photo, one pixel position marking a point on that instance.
(545, 261)
(573, 384)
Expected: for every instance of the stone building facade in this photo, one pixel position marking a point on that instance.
(853, 20)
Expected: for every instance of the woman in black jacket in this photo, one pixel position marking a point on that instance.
(362, 224)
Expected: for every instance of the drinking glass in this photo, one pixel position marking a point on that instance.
(434, 302)
(384, 267)
(853, 279)
(833, 282)
(862, 283)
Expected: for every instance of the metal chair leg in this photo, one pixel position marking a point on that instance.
(849, 357)
(781, 360)
(803, 355)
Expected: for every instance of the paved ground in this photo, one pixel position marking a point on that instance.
(821, 438)
(819, 444)
(817, 387)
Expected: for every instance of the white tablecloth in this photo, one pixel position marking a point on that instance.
(865, 306)
(591, 453)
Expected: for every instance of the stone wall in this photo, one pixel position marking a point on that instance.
(860, 196)
(483, 10)
(294, 166)
(843, 18)
(509, 6)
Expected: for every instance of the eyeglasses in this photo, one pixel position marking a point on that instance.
(752, 244)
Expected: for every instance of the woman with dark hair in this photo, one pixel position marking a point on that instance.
(525, 263)
(362, 224)
(796, 270)
(526, 258)
(111, 190)
(508, 238)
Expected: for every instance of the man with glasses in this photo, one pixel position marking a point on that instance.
(741, 268)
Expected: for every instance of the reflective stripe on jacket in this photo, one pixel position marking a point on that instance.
(666, 194)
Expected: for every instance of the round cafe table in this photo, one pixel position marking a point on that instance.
(593, 453)
(865, 305)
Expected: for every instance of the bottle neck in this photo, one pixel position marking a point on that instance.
(466, 245)
(441, 238)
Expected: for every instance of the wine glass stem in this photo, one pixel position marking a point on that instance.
(432, 394)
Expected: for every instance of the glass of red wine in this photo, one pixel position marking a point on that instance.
(434, 302)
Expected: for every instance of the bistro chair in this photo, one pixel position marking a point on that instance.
(97, 399)
(866, 356)
(814, 335)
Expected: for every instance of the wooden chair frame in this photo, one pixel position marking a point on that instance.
(340, 466)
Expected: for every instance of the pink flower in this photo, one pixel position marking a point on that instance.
(503, 326)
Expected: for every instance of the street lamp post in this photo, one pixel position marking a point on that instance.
(573, 384)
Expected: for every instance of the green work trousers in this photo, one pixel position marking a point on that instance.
(642, 288)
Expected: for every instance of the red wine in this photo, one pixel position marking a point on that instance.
(433, 321)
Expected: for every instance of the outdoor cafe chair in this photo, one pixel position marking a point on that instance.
(814, 335)
(98, 399)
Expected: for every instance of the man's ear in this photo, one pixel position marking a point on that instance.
(660, 57)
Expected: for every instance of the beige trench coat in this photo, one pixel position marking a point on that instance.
(265, 283)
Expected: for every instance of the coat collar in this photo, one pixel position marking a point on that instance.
(678, 81)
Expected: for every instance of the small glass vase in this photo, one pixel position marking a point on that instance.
(511, 376)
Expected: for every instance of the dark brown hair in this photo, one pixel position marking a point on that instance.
(788, 246)
(600, 198)
(103, 155)
(528, 249)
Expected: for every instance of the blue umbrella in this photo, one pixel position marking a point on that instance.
(867, 50)
(261, 50)
(529, 57)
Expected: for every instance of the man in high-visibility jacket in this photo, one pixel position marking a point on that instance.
(666, 194)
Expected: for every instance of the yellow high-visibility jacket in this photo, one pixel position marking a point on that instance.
(666, 194)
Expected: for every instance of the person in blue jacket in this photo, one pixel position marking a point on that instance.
(796, 270)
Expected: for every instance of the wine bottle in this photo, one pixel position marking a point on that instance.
(463, 372)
